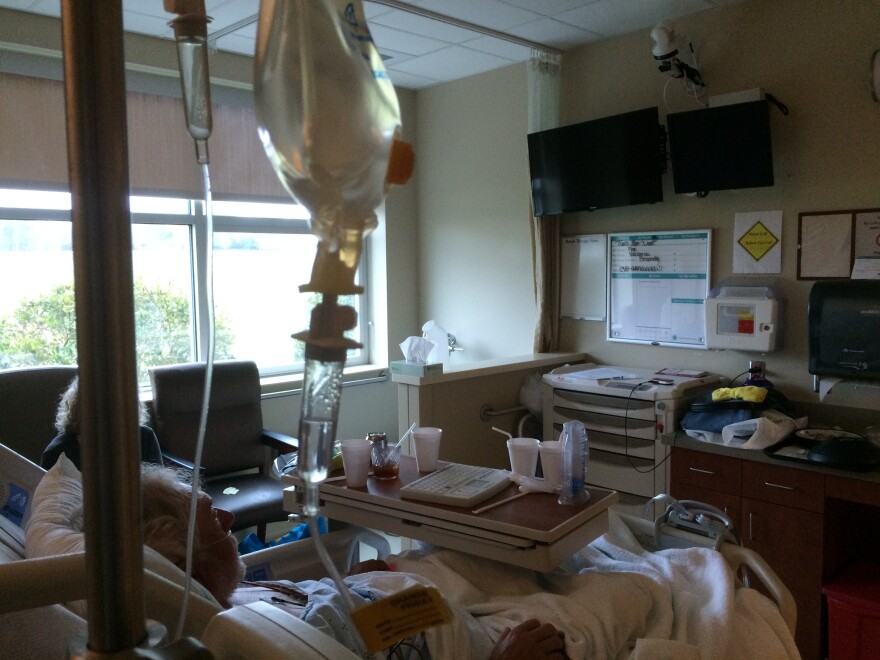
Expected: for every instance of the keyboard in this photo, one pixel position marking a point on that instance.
(457, 485)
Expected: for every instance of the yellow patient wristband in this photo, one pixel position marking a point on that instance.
(401, 615)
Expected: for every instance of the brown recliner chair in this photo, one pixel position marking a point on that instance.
(28, 403)
(237, 456)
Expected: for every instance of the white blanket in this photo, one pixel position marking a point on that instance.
(612, 600)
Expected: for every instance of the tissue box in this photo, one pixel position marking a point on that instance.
(405, 368)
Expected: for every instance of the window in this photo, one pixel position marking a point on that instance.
(262, 253)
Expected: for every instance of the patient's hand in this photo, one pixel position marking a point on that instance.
(528, 641)
(369, 565)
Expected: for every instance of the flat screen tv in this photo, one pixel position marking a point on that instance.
(721, 148)
(597, 164)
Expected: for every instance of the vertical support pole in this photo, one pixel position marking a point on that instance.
(94, 85)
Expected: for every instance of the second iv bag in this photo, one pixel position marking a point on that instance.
(328, 117)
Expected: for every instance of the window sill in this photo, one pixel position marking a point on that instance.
(292, 384)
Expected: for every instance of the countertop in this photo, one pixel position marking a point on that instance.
(492, 367)
(684, 441)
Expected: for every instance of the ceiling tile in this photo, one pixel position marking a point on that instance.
(500, 47)
(392, 57)
(451, 63)
(554, 33)
(151, 25)
(428, 51)
(47, 7)
(227, 12)
(548, 7)
(427, 27)
(411, 81)
(403, 42)
(236, 43)
(488, 13)
(22, 5)
(614, 17)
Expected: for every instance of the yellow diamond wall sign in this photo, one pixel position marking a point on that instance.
(758, 241)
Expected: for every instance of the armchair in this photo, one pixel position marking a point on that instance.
(28, 404)
(236, 458)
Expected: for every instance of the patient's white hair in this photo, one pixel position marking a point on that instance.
(67, 415)
(166, 503)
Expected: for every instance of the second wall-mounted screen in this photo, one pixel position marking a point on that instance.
(721, 148)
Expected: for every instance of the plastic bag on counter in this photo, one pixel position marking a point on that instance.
(761, 432)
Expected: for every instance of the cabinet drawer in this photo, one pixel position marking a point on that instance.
(704, 470)
(636, 428)
(629, 474)
(799, 489)
(606, 405)
(610, 442)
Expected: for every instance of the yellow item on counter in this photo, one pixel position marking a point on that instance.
(751, 393)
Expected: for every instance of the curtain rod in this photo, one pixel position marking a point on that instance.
(473, 27)
(412, 9)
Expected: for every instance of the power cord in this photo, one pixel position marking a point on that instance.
(626, 453)
(750, 370)
(632, 463)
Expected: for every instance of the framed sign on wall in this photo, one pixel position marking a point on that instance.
(657, 286)
(832, 243)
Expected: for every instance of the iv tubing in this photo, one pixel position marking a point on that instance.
(341, 587)
(206, 397)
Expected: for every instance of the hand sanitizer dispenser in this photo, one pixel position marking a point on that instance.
(744, 315)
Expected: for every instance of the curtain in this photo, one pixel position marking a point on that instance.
(544, 72)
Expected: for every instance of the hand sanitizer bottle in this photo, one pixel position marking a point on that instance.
(575, 455)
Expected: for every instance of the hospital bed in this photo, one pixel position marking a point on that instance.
(41, 613)
(35, 622)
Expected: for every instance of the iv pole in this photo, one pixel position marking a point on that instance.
(97, 147)
(94, 91)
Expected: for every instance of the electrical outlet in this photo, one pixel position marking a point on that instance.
(759, 365)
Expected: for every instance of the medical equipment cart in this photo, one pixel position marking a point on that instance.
(627, 417)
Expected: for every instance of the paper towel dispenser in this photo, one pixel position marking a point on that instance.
(744, 314)
(844, 327)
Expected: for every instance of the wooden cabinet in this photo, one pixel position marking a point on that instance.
(790, 540)
(707, 478)
(779, 513)
(782, 521)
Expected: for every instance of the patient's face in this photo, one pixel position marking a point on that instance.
(221, 568)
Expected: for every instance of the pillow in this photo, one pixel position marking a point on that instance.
(56, 527)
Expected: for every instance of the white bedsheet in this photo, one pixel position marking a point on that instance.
(612, 600)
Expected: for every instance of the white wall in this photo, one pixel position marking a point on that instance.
(474, 259)
(813, 55)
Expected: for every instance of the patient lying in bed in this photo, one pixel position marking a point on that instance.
(217, 565)
(613, 599)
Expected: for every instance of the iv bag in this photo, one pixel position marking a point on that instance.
(327, 114)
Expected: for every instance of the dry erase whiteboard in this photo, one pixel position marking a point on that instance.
(657, 286)
(583, 275)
